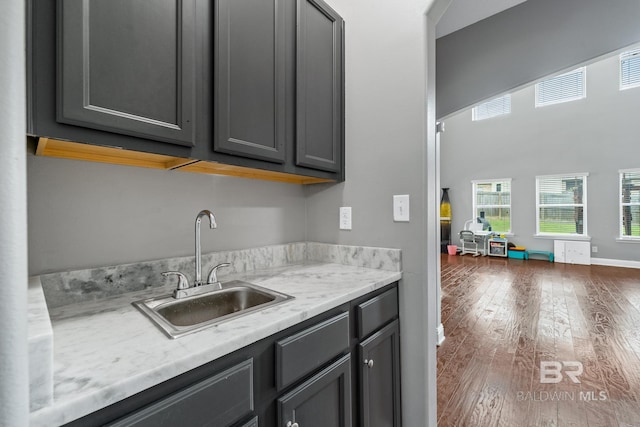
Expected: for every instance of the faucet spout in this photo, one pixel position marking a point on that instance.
(212, 223)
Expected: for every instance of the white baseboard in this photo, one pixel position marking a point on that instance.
(615, 262)
(440, 334)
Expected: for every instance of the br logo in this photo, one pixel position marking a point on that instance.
(551, 372)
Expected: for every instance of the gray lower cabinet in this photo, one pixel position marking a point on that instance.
(128, 67)
(324, 400)
(312, 374)
(380, 378)
(378, 362)
(319, 104)
(221, 400)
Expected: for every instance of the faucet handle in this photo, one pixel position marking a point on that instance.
(213, 274)
(183, 282)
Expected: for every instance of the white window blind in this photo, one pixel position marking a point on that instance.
(561, 205)
(630, 69)
(566, 87)
(495, 107)
(492, 204)
(630, 204)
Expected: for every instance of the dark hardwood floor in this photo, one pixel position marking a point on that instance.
(503, 317)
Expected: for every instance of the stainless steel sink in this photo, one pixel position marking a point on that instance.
(177, 317)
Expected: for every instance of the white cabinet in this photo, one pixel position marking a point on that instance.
(572, 252)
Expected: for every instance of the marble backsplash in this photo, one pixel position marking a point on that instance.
(356, 256)
(94, 284)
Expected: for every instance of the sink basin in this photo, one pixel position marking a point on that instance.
(177, 317)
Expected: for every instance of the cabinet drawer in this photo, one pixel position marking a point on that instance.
(220, 400)
(377, 312)
(304, 352)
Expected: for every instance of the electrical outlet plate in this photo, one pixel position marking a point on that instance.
(345, 218)
(401, 208)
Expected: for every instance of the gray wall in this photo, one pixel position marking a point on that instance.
(386, 154)
(84, 214)
(597, 135)
(527, 42)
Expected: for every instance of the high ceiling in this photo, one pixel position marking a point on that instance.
(462, 13)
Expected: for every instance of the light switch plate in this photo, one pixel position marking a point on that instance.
(345, 218)
(401, 208)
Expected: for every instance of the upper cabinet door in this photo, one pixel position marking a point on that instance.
(250, 79)
(319, 113)
(128, 67)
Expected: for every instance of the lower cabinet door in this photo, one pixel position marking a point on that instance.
(324, 400)
(380, 378)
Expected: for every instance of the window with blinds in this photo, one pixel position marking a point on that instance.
(496, 107)
(561, 205)
(630, 204)
(566, 87)
(492, 204)
(630, 69)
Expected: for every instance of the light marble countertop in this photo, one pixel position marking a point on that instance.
(106, 350)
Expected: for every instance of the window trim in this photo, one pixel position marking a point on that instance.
(474, 206)
(562, 101)
(631, 52)
(621, 205)
(568, 236)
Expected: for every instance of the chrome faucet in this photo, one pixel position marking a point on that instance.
(184, 290)
(212, 224)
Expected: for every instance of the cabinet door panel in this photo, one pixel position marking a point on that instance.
(380, 379)
(250, 79)
(319, 45)
(128, 67)
(322, 401)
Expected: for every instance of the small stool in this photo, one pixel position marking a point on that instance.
(543, 253)
(518, 254)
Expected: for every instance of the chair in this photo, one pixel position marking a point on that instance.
(473, 225)
(468, 243)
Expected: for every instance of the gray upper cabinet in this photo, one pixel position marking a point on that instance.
(319, 86)
(250, 78)
(128, 67)
(254, 84)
